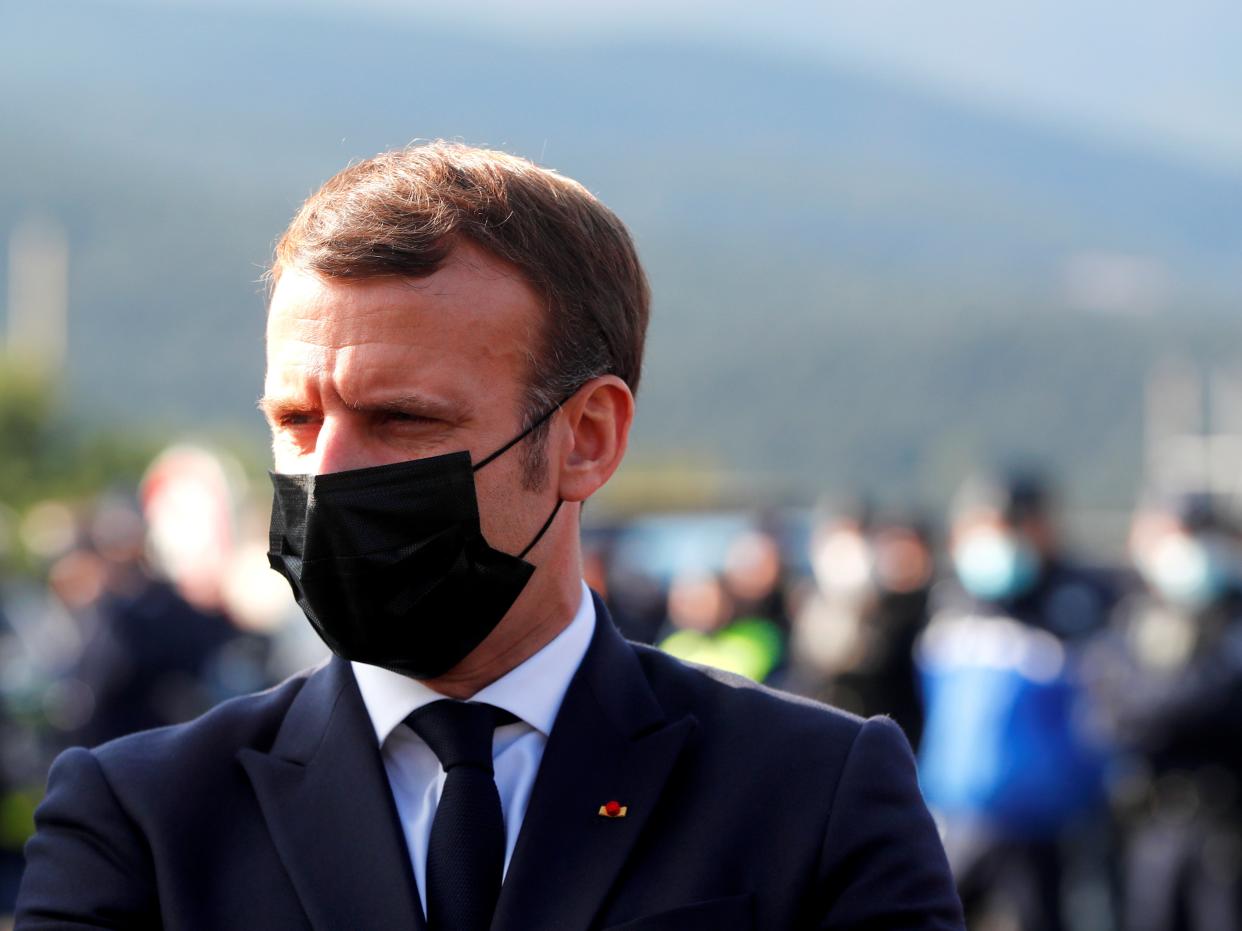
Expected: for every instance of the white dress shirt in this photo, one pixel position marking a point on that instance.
(532, 692)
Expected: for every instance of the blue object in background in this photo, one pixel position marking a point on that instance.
(1004, 741)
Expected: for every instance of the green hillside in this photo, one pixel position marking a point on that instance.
(856, 285)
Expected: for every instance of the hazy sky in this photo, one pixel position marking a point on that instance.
(1164, 72)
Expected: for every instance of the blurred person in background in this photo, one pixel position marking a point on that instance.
(854, 635)
(1008, 761)
(736, 619)
(706, 628)
(191, 502)
(1169, 679)
(146, 584)
(150, 656)
(755, 579)
(1008, 557)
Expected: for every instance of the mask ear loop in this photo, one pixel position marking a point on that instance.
(508, 446)
(542, 530)
(521, 436)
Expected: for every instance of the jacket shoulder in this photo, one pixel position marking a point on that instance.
(201, 746)
(749, 714)
(840, 794)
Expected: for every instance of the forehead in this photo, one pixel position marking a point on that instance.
(472, 323)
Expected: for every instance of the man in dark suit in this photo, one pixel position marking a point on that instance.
(454, 339)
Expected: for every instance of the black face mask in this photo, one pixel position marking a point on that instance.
(389, 563)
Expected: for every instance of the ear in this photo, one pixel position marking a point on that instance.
(598, 417)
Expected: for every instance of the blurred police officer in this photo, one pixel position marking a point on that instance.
(1006, 762)
(1170, 678)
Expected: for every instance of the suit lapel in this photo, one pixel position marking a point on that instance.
(610, 742)
(327, 804)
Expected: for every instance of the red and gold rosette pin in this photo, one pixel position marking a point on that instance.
(613, 809)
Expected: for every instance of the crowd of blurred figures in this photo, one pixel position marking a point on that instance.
(1076, 723)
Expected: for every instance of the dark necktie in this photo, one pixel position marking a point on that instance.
(466, 854)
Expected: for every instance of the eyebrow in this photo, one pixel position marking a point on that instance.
(412, 404)
(274, 407)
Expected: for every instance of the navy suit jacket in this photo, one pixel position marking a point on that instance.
(745, 809)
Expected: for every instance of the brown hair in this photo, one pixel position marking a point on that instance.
(400, 213)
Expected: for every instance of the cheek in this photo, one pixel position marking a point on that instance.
(506, 508)
(287, 457)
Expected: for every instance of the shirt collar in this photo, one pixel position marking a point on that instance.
(532, 690)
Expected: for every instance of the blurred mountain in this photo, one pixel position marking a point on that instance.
(856, 283)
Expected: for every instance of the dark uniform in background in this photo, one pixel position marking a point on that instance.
(1169, 680)
(854, 634)
(1006, 759)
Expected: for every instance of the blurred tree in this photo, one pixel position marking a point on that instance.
(27, 409)
(46, 454)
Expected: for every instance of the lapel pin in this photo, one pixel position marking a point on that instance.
(613, 809)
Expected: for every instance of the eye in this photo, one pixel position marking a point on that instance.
(294, 419)
(406, 417)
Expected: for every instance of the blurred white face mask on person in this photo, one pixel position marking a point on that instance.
(995, 565)
(1190, 571)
